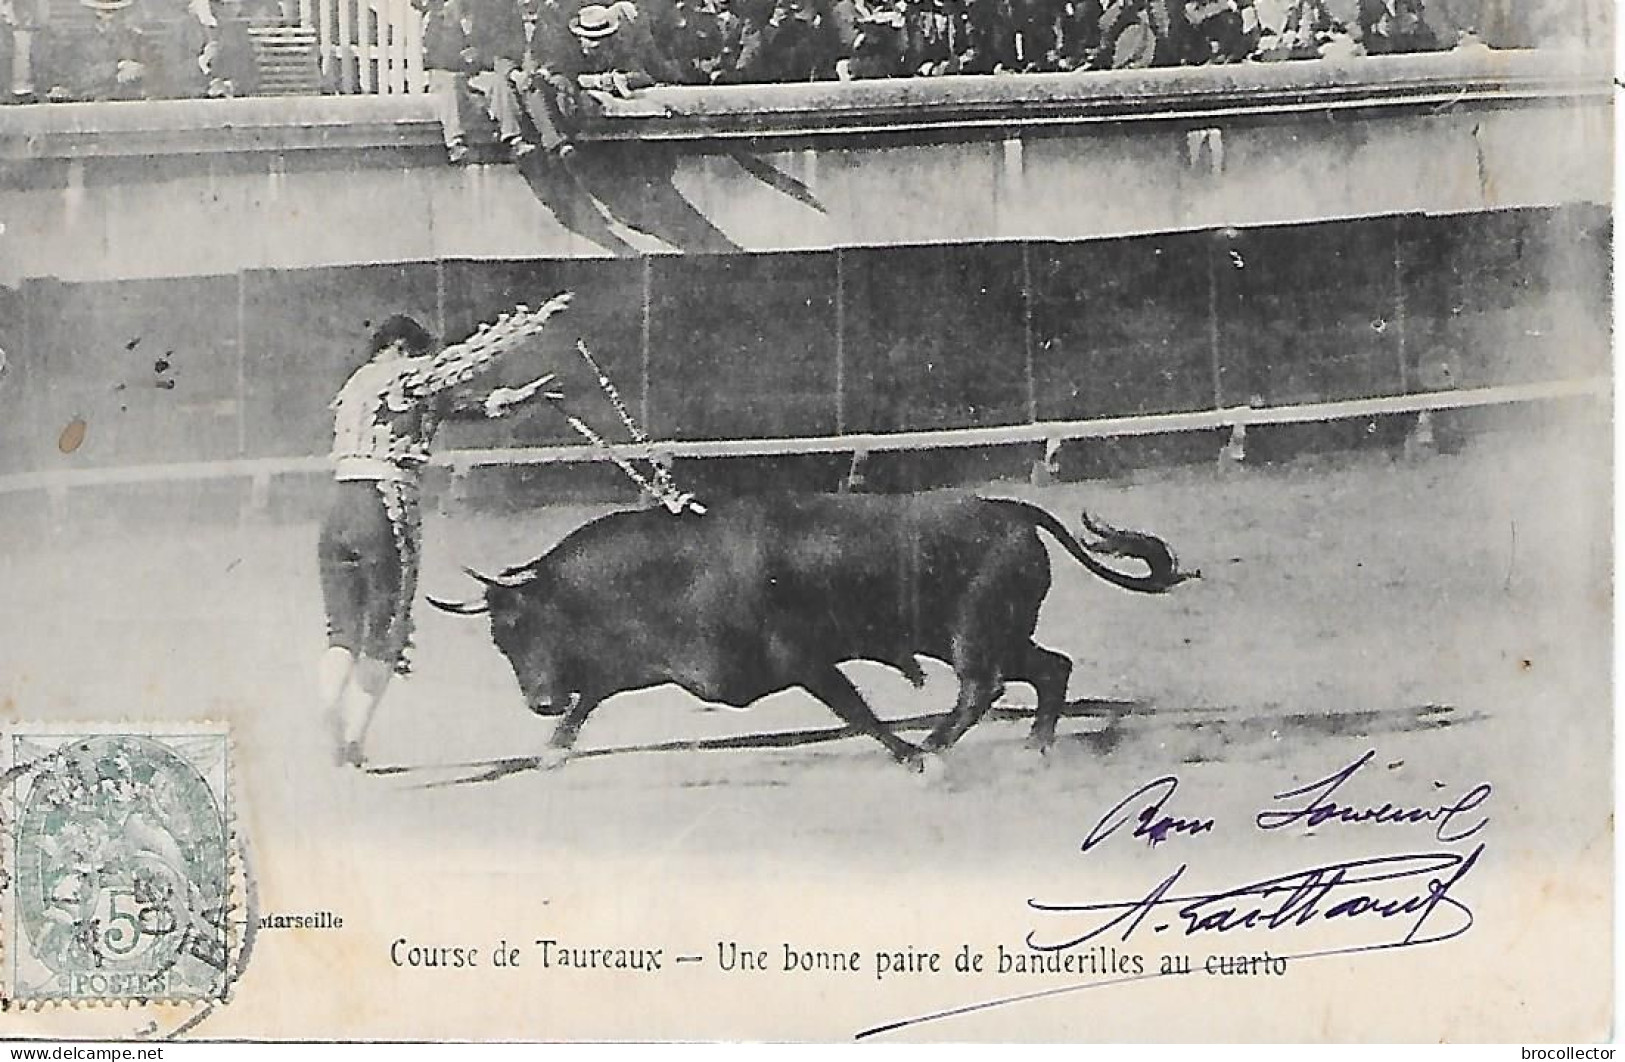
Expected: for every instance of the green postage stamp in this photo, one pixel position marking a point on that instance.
(118, 863)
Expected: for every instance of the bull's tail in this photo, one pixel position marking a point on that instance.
(1163, 572)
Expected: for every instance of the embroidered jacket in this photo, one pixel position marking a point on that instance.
(386, 414)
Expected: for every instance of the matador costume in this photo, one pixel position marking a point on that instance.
(384, 420)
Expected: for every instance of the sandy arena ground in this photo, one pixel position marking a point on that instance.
(1451, 613)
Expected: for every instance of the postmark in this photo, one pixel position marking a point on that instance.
(123, 882)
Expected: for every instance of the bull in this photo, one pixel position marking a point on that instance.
(764, 594)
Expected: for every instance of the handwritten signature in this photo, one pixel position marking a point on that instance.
(1338, 892)
(1146, 807)
(1153, 824)
(1387, 901)
(1330, 892)
(1322, 808)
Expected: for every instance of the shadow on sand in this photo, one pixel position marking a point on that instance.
(1118, 721)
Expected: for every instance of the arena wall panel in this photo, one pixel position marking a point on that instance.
(765, 346)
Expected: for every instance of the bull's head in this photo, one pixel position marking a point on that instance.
(522, 629)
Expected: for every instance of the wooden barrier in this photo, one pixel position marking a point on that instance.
(261, 470)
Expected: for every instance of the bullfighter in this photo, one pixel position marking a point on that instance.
(384, 421)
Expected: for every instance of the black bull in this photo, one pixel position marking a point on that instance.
(762, 594)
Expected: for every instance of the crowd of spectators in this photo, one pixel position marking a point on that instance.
(128, 49)
(527, 62)
(536, 65)
(720, 41)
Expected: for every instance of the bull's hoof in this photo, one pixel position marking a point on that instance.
(350, 755)
(1041, 743)
(552, 759)
(928, 766)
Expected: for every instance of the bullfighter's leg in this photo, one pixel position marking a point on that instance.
(361, 700)
(371, 680)
(360, 704)
(391, 567)
(1047, 672)
(380, 649)
(344, 597)
(833, 688)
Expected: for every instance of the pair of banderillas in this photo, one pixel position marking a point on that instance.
(489, 340)
(658, 483)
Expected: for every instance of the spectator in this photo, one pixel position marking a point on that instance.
(112, 61)
(549, 93)
(1079, 25)
(474, 51)
(547, 57)
(1132, 33)
(704, 40)
(21, 21)
(984, 24)
(444, 40)
(843, 17)
(548, 23)
(491, 38)
(1343, 43)
(217, 55)
(1030, 42)
(880, 48)
(1216, 32)
(969, 47)
(1389, 26)
(793, 42)
(1291, 29)
(616, 52)
(931, 34)
(610, 50)
(1451, 20)
(660, 18)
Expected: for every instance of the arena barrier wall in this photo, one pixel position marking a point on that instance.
(123, 191)
(852, 351)
(188, 297)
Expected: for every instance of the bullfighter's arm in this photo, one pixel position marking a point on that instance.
(504, 399)
(449, 371)
(501, 400)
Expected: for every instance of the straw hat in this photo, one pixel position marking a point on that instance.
(593, 22)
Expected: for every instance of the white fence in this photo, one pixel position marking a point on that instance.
(374, 47)
(260, 471)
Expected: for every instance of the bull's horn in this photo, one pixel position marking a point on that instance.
(459, 608)
(501, 581)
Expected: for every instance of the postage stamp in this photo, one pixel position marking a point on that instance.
(119, 853)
